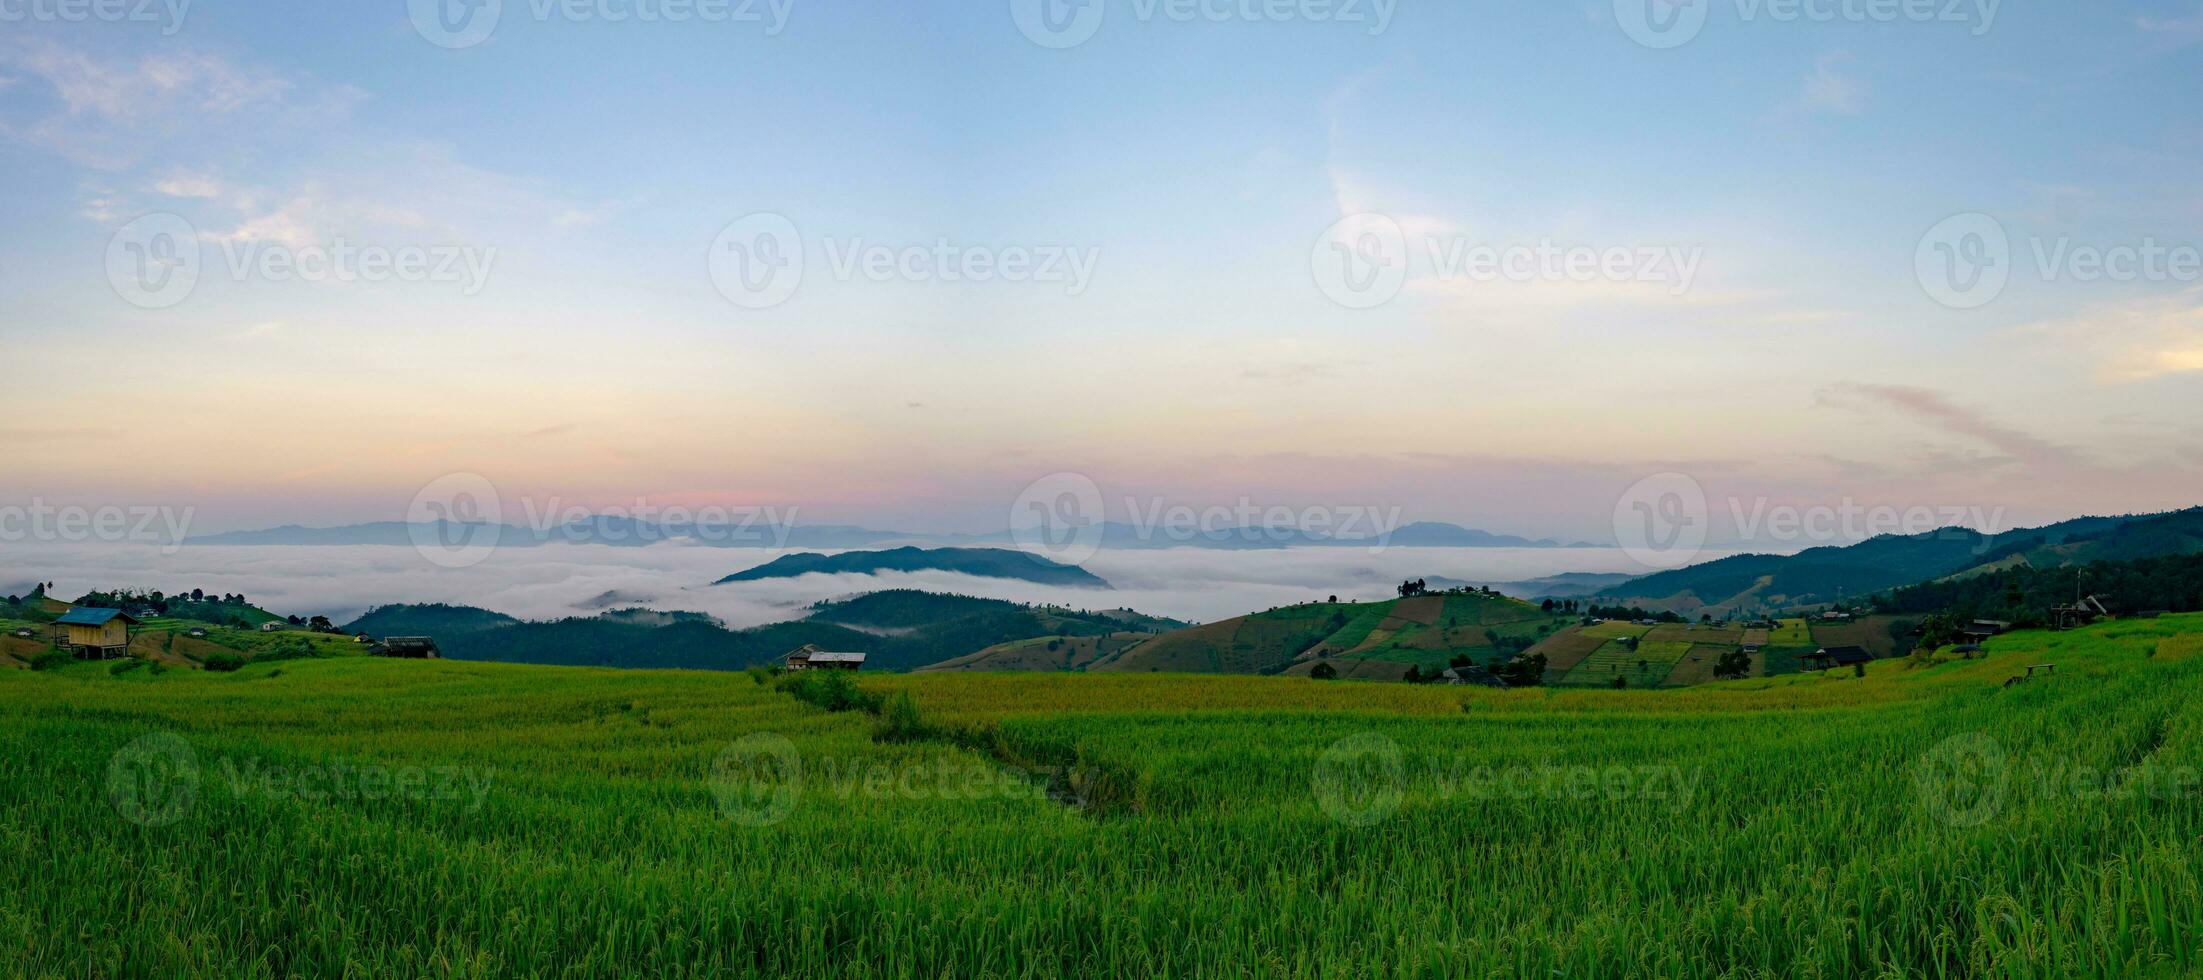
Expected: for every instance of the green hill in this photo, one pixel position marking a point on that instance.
(980, 562)
(1367, 640)
(431, 619)
(1762, 584)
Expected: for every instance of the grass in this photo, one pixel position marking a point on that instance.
(1779, 826)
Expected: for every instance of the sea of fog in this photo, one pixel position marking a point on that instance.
(559, 580)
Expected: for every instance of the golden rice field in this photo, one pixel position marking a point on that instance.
(369, 818)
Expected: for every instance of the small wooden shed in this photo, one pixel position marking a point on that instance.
(94, 633)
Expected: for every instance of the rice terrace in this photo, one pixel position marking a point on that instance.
(371, 816)
(1113, 489)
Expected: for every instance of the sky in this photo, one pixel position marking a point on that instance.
(891, 264)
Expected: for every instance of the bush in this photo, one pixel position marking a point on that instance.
(1323, 672)
(289, 648)
(50, 660)
(833, 690)
(900, 722)
(224, 663)
(125, 667)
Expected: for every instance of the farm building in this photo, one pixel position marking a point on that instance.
(409, 648)
(1982, 629)
(196, 632)
(812, 658)
(1472, 676)
(26, 633)
(274, 627)
(88, 632)
(2079, 614)
(1827, 657)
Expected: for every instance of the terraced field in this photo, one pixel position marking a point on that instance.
(361, 817)
(1646, 666)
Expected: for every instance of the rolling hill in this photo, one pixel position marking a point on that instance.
(979, 562)
(1365, 640)
(1760, 584)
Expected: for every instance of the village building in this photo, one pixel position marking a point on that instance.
(810, 657)
(1472, 676)
(94, 633)
(1828, 657)
(2079, 614)
(409, 648)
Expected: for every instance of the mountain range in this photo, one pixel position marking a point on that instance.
(1757, 584)
(629, 532)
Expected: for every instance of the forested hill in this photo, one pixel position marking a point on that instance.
(1751, 584)
(980, 562)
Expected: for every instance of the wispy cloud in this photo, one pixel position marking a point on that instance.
(1936, 410)
(2136, 340)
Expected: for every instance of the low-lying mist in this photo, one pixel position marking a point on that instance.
(557, 581)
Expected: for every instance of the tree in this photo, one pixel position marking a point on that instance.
(1547, 605)
(1733, 665)
(1620, 682)
(1413, 675)
(1522, 671)
(1324, 672)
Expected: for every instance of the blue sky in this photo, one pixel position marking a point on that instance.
(1197, 163)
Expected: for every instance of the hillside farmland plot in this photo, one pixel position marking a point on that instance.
(572, 822)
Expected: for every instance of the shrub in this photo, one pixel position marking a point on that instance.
(900, 721)
(833, 690)
(224, 663)
(1324, 672)
(125, 667)
(49, 660)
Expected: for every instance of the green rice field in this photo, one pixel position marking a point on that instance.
(354, 817)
